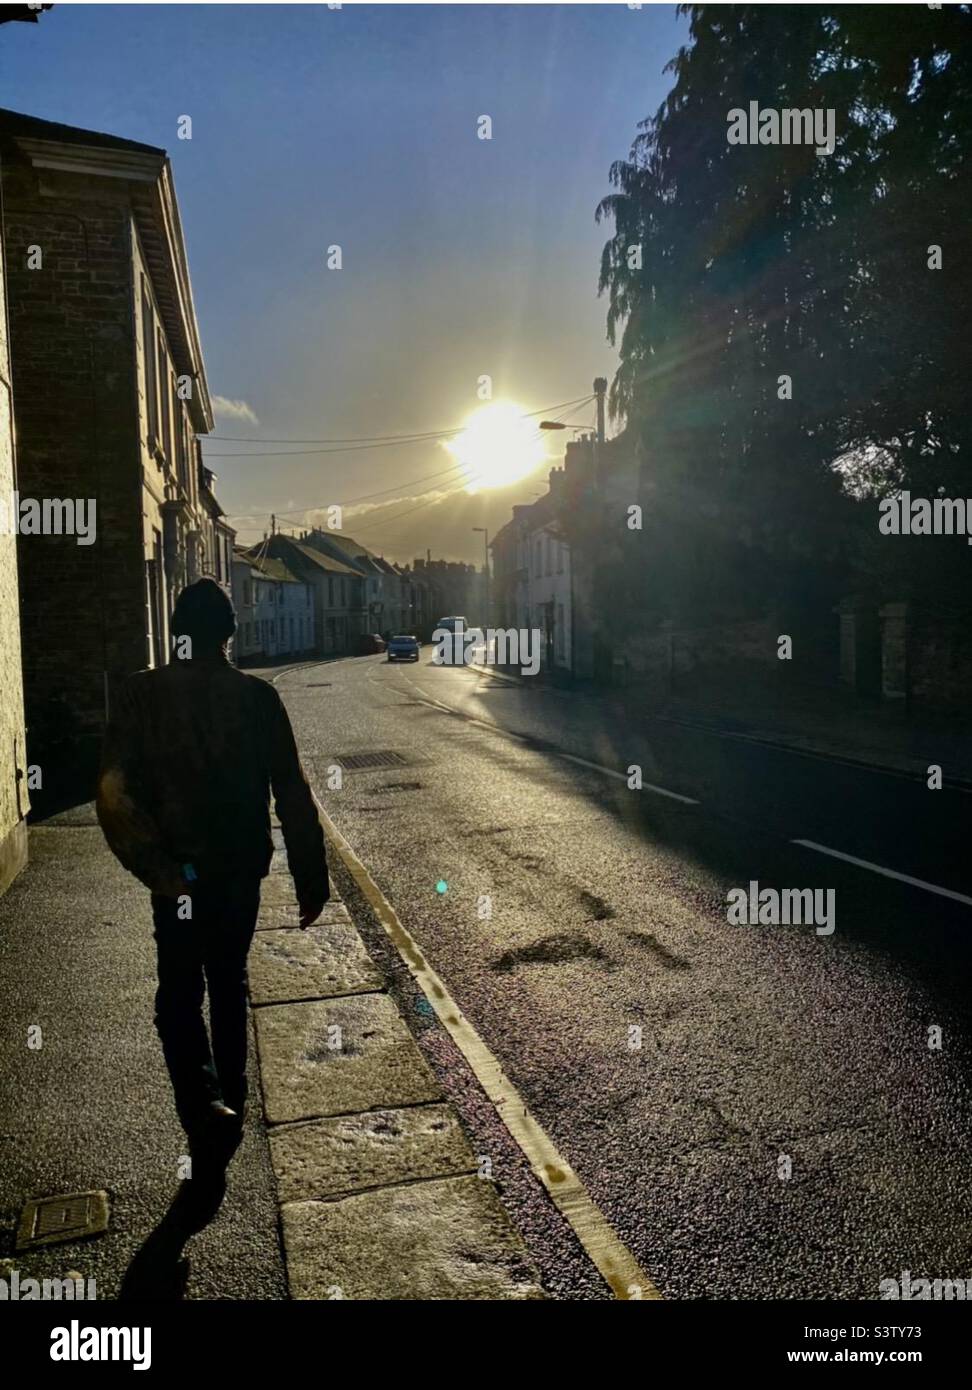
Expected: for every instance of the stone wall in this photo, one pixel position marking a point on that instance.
(669, 654)
(13, 769)
(939, 660)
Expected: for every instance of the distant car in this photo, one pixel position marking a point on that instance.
(403, 649)
(450, 624)
(368, 643)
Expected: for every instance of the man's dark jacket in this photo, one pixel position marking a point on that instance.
(191, 755)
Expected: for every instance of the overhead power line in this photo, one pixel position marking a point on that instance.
(375, 441)
(369, 496)
(552, 412)
(426, 502)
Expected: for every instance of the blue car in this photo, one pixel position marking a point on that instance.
(403, 649)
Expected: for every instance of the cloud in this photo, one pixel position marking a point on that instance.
(440, 520)
(402, 527)
(234, 410)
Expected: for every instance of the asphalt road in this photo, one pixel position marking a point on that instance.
(764, 1049)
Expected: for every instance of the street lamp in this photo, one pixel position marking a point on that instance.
(597, 438)
(485, 573)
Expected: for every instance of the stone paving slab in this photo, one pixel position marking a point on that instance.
(376, 1180)
(279, 916)
(446, 1239)
(327, 959)
(352, 1153)
(305, 1076)
(277, 888)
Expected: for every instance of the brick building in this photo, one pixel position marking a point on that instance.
(111, 392)
(454, 588)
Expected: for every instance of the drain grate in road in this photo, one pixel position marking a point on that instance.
(359, 762)
(318, 685)
(69, 1216)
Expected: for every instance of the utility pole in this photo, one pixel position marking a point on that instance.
(600, 387)
(273, 524)
(485, 573)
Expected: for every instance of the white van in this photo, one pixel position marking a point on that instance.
(450, 624)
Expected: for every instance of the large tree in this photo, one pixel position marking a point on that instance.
(734, 265)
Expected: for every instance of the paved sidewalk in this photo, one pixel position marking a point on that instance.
(379, 1192)
(828, 723)
(91, 1108)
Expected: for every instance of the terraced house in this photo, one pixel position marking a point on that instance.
(274, 610)
(110, 395)
(338, 590)
(381, 589)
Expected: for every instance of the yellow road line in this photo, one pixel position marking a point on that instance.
(615, 1262)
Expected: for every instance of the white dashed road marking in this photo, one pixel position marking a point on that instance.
(887, 873)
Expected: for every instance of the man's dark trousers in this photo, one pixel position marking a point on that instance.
(205, 951)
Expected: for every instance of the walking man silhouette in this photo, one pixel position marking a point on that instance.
(192, 752)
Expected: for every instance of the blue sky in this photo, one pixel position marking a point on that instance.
(462, 257)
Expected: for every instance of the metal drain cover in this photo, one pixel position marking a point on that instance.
(360, 762)
(69, 1216)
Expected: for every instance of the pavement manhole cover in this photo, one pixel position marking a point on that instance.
(69, 1216)
(360, 762)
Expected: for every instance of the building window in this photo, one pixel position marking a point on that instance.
(330, 592)
(148, 352)
(155, 626)
(549, 543)
(165, 394)
(537, 559)
(151, 608)
(179, 433)
(560, 557)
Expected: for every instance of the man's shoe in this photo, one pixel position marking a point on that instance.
(225, 1131)
(222, 1113)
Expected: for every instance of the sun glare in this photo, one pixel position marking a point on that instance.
(497, 446)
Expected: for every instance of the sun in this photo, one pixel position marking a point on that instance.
(497, 446)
